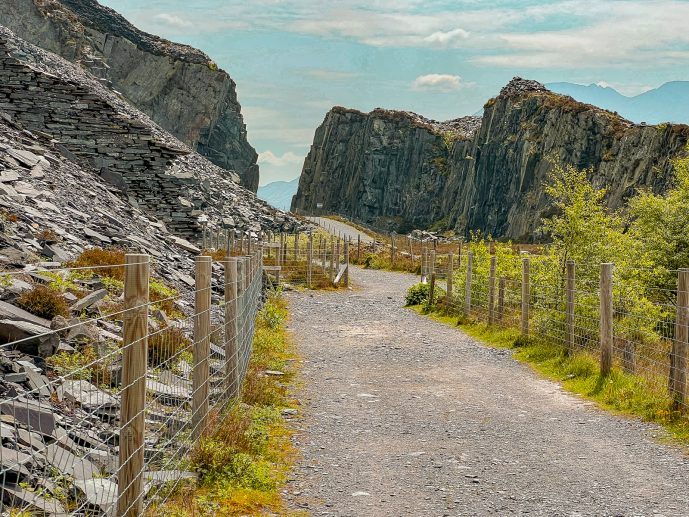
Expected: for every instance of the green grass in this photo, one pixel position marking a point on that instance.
(579, 373)
(244, 458)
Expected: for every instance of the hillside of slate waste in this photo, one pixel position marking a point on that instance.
(177, 86)
(398, 171)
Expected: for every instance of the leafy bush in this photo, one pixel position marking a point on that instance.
(418, 294)
(44, 302)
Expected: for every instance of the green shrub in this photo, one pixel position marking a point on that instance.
(44, 302)
(418, 294)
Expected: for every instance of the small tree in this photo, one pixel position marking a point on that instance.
(660, 224)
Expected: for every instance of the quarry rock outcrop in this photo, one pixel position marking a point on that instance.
(177, 86)
(398, 171)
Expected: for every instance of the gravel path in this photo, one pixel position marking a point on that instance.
(336, 227)
(403, 416)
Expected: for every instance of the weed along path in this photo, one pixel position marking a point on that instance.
(404, 416)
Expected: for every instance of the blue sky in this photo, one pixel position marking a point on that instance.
(295, 59)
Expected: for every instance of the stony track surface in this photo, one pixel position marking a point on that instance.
(403, 416)
(345, 230)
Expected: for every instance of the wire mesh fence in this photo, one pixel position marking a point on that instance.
(613, 314)
(98, 412)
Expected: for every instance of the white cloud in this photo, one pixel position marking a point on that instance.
(447, 38)
(627, 33)
(438, 83)
(287, 159)
(173, 20)
(321, 74)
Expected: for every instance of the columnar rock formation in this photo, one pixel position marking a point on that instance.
(179, 87)
(398, 171)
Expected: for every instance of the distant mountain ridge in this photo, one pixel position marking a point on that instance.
(279, 193)
(667, 103)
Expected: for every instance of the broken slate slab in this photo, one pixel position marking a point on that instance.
(100, 494)
(70, 464)
(15, 461)
(26, 158)
(37, 417)
(56, 252)
(90, 299)
(90, 398)
(170, 395)
(32, 339)
(92, 234)
(10, 312)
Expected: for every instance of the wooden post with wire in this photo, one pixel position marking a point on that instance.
(296, 246)
(202, 343)
(130, 479)
(450, 269)
(358, 248)
(569, 305)
(332, 258)
(431, 291)
(392, 250)
(526, 295)
(491, 290)
(467, 286)
(606, 318)
(346, 257)
(678, 355)
(309, 261)
(231, 330)
(501, 298)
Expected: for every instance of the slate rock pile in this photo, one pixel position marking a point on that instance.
(190, 97)
(94, 127)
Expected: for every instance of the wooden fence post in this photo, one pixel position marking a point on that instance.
(202, 342)
(134, 363)
(678, 356)
(526, 295)
(296, 246)
(467, 287)
(358, 247)
(501, 298)
(346, 257)
(432, 263)
(233, 360)
(491, 290)
(431, 291)
(332, 258)
(231, 323)
(309, 259)
(606, 318)
(411, 252)
(392, 250)
(569, 305)
(450, 280)
(337, 257)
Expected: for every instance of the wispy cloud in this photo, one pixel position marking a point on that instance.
(288, 158)
(438, 83)
(321, 74)
(172, 20)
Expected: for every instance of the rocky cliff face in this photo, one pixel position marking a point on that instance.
(399, 173)
(179, 87)
(385, 168)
